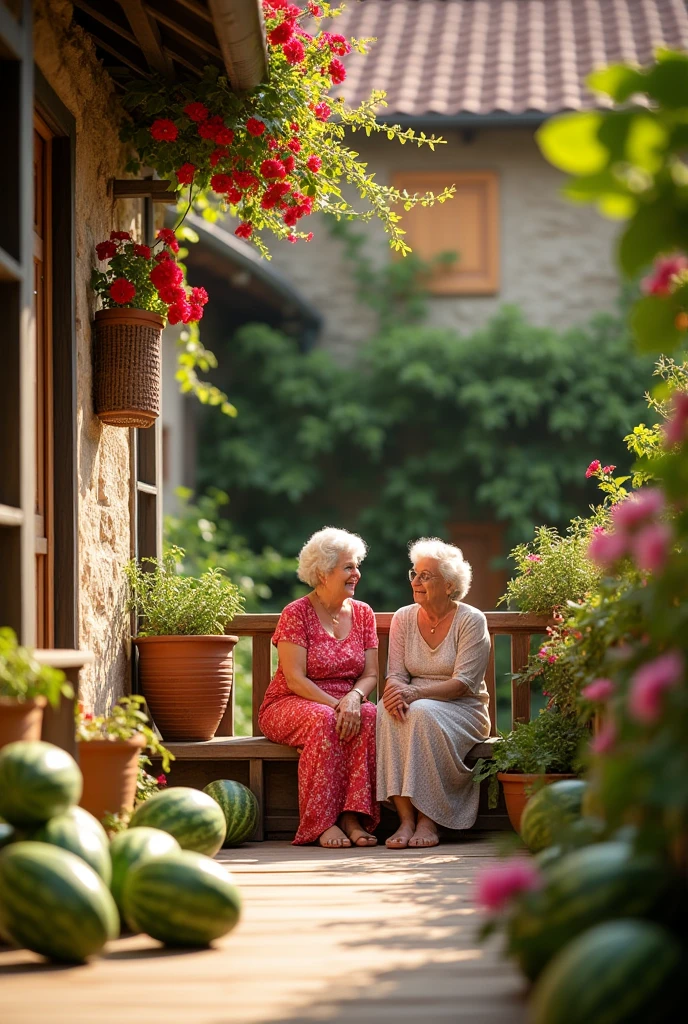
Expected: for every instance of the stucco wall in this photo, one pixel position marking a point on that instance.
(554, 256)
(66, 58)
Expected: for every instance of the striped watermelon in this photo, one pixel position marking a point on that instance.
(549, 811)
(79, 832)
(53, 903)
(192, 817)
(621, 972)
(37, 781)
(239, 807)
(181, 899)
(583, 889)
(132, 847)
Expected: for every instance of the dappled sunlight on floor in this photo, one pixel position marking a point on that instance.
(376, 935)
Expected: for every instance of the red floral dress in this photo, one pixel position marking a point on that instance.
(334, 775)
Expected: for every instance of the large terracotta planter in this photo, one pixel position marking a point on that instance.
(127, 366)
(186, 681)
(20, 719)
(517, 791)
(110, 770)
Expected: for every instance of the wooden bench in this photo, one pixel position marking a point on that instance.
(252, 757)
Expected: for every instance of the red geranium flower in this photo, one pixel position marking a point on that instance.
(294, 127)
(210, 128)
(166, 274)
(106, 250)
(225, 136)
(121, 290)
(274, 193)
(273, 169)
(282, 33)
(162, 779)
(244, 179)
(169, 238)
(164, 130)
(142, 250)
(245, 230)
(294, 51)
(289, 163)
(322, 111)
(180, 312)
(221, 182)
(294, 145)
(337, 71)
(196, 111)
(314, 9)
(217, 154)
(162, 255)
(195, 311)
(185, 174)
(199, 296)
(314, 163)
(234, 196)
(171, 293)
(255, 127)
(120, 236)
(291, 216)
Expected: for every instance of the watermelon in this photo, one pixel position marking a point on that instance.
(131, 847)
(583, 889)
(181, 899)
(239, 807)
(79, 832)
(53, 903)
(549, 810)
(37, 782)
(620, 972)
(192, 817)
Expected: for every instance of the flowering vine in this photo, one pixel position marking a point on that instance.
(277, 155)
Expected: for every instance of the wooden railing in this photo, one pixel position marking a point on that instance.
(517, 626)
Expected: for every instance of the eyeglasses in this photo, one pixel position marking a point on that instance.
(422, 577)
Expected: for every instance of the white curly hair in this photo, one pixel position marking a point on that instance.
(453, 566)
(320, 554)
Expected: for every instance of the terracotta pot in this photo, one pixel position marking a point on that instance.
(110, 769)
(20, 719)
(517, 791)
(127, 366)
(186, 681)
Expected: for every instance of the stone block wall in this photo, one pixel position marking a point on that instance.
(66, 57)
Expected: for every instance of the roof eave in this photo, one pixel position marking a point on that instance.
(240, 35)
(496, 119)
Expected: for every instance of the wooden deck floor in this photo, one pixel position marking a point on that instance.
(357, 936)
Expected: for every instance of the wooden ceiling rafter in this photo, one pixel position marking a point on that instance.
(147, 35)
(182, 31)
(197, 9)
(119, 56)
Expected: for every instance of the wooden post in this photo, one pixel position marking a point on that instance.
(256, 785)
(262, 671)
(520, 692)
(492, 688)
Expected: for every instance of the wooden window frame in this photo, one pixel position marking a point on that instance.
(452, 280)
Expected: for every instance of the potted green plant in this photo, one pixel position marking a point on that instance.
(535, 753)
(25, 689)
(110, 748)
(185, 658)
(140, 287)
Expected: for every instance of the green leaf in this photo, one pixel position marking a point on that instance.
(653, 230)
(667, 82)
(653, 321)
(571, 142)
(619, 81)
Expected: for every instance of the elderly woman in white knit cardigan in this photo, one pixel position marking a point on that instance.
(435, 703)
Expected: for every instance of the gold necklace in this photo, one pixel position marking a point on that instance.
(433, 628)
(335, 618)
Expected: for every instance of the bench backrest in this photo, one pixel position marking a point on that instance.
(517, 626)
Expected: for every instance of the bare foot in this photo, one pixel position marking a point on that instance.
(400, 839)
(333, 839)
(355, 831)
(425, 834)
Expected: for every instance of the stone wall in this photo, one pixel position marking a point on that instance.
(66, 57)
(554, 256)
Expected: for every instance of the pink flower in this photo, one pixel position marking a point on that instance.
(543, 653)
(322, 111)
(164, 130)
(161, 780)
(255, 127)
(675, 428)
(659, 282)
(244, 230)
(314, 163)
(644, 504)
(593, 468)
(294, 51)
(649, 683)
(606, 548)
(599, 690)
(498, 885)
(337, 43)
(605, 739)
(607, 470)
(534, 558)
(196, 112)
(552, 658)
(651, 547)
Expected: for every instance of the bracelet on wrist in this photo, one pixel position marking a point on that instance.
(361, 694)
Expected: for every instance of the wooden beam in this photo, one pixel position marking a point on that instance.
(173, 55)
(241, 34)
(97, 15)
(191, 38)
(147, 36)
(118, 56)
(195, 8)
(146, 188)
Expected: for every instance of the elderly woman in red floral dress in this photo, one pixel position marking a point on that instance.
(318, 698)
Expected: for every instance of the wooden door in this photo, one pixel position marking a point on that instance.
(42, 261)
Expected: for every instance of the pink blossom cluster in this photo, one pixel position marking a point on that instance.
(638, 532)
(676, 428)
(661, 280)
(498, 885)
(650, 682)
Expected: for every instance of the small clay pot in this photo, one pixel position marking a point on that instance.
(186, 681)
(20, 719)
(517, 791)
(110, 770)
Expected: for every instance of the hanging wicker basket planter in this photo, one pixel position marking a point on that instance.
(127, 366)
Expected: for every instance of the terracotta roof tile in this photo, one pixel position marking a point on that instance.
(453, 57)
